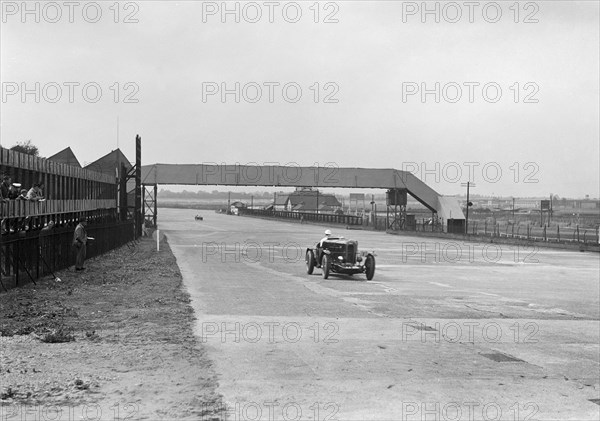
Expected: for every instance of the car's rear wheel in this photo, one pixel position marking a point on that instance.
(370, 267)
(310, 261)
(326, 266)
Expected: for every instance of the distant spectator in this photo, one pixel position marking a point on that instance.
(36, 192)
(5, 188)
(23, 195)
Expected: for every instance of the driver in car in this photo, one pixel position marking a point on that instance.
(320, 244)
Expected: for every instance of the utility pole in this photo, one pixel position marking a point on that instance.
(373, 212)
(513, 210)
(317, 201)
(252, 202)
(228, 203)
(468, 184)
(550, 211)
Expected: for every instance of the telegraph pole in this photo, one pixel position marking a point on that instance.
(550, 211)
(513, 210)
(468, 184)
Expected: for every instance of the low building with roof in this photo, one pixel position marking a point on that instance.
(307, 200)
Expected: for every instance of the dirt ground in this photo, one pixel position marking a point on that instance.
(113, 342)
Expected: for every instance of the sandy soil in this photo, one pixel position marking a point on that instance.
(113, 342)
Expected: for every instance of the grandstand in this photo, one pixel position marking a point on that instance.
(70, 192)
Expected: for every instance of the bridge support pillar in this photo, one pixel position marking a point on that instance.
(150, 205)
(396, 200)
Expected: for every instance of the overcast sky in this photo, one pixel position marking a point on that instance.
(542, 127)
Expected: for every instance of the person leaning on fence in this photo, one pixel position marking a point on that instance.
(80, 239)
(14, 191)
(36, 192)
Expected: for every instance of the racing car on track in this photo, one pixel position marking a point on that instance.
(198, 218)
(339, 255)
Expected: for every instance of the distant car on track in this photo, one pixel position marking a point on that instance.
(198, 218)
(340, 255)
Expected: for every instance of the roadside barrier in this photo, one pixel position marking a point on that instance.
(32, 254)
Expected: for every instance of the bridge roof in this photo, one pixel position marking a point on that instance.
(296, 176)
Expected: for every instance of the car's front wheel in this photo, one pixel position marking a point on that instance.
(326, 266)
(370, 267)
(310, 261)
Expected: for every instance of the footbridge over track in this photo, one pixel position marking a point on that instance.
(446, 207)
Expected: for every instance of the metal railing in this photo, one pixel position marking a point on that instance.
(32, 254)
(307, 216)
(531, 232)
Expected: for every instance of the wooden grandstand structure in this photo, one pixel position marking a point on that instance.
(70, 193)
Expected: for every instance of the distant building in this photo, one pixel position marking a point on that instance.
(280, 202)
(66, 156)
(307, 200)
(235, 207)
(110, 164)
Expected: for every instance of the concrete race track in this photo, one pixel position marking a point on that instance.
(445, 330)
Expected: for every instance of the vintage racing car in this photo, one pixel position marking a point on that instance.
(198, 218)
(340, 255)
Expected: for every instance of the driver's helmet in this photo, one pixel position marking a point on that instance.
(328, 232)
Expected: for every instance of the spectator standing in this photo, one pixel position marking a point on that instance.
(5, 188)
(80, 239)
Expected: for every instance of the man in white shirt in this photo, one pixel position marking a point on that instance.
(327, 235)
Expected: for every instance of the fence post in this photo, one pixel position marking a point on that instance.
(558, 231)
(545, 239)
(485, 228)
(578, 233)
